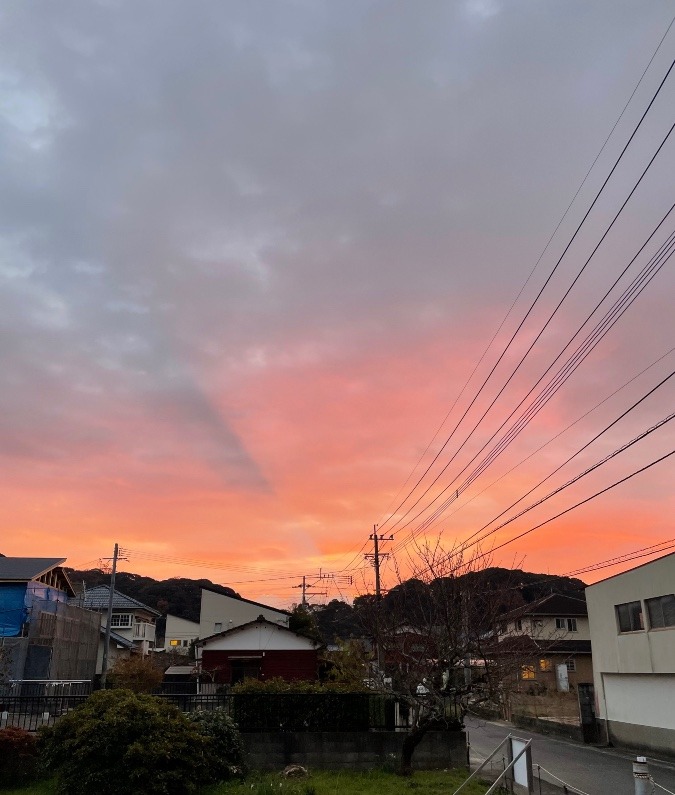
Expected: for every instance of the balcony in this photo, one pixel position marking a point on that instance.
(143, 631)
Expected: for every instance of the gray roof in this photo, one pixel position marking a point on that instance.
(97, 599)
(25, 569)
(118, 639)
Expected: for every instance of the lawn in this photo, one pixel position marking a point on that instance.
(326, 783)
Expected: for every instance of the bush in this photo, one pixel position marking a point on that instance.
(139, 674)
(226, 750)
(18, 757)
(120, 743)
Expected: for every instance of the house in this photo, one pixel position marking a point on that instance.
(547, 642)
(132, 627)
(259, 649)
(179, 634)
(632, 618)
(47, 638)
(221, 611)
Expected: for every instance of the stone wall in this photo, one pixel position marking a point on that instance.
(352, 750)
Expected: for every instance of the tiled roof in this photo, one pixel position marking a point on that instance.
(24, 569)
(97, 599)
(118, 639)
(260, 620)
(524, 644)
(554, 604)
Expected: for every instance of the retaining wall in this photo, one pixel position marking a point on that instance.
(352, 750)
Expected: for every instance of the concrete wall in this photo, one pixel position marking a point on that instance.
(352, 750)
(226, 612)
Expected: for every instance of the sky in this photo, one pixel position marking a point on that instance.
(257, 258)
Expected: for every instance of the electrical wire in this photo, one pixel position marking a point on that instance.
(536, 299)
(534, 268)
(620, 306)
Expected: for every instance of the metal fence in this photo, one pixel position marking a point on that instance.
(253, 712)
(32, 712)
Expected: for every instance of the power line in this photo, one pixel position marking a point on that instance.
(526, 282)
(582, 351)
(536, 299)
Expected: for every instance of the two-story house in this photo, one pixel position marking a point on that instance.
(548, 642)
(132, 622)
(632, 619)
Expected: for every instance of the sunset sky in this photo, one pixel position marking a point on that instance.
(251, 252)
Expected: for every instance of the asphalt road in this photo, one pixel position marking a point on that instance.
(594, 771)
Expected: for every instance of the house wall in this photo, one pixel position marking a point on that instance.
(141, 631)
(634, 672)
(182, 631)
(296, 665)
(220, 612)
(544, 627)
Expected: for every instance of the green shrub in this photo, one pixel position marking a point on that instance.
(120, 743)
(226, 749)
(18, 757)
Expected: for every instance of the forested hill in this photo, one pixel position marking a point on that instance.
(181, 596)
(177, 595)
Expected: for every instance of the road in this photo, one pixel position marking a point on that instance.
(594, 771)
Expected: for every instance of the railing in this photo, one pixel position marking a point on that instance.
(32, 712)
(253, 712)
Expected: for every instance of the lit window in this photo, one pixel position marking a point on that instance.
(629, 617)
(661, 611)
(527, 672)
(121, 620)
(571, 665)
(545, 665)
(174, 642)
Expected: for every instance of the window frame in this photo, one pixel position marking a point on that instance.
(630, 614)
(528, 673)
(658, 601)
(115, 621)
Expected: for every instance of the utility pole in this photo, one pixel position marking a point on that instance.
(376, 557)
(106, 642)
(309, 589)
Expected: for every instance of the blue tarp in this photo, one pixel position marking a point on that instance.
(12, 609)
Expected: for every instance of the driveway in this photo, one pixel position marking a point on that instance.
(594, 771)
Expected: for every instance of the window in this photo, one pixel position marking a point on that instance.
(174, 643)
(121, 620)
(571, 664)
(545, 665)
(218, 626)
(527, 672)
(568, 624)
(629, 617)
(518, 624)
(661, 611)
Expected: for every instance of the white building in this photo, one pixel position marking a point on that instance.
(179, 634)
(220, 612)
(632, 621)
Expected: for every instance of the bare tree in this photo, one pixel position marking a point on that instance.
(436, 634)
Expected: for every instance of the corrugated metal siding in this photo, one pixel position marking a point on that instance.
(289, 665)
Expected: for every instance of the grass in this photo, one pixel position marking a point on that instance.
(375, 782)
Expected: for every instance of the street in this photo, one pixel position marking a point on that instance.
(594, 771)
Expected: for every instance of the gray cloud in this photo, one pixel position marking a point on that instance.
(189, 187)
